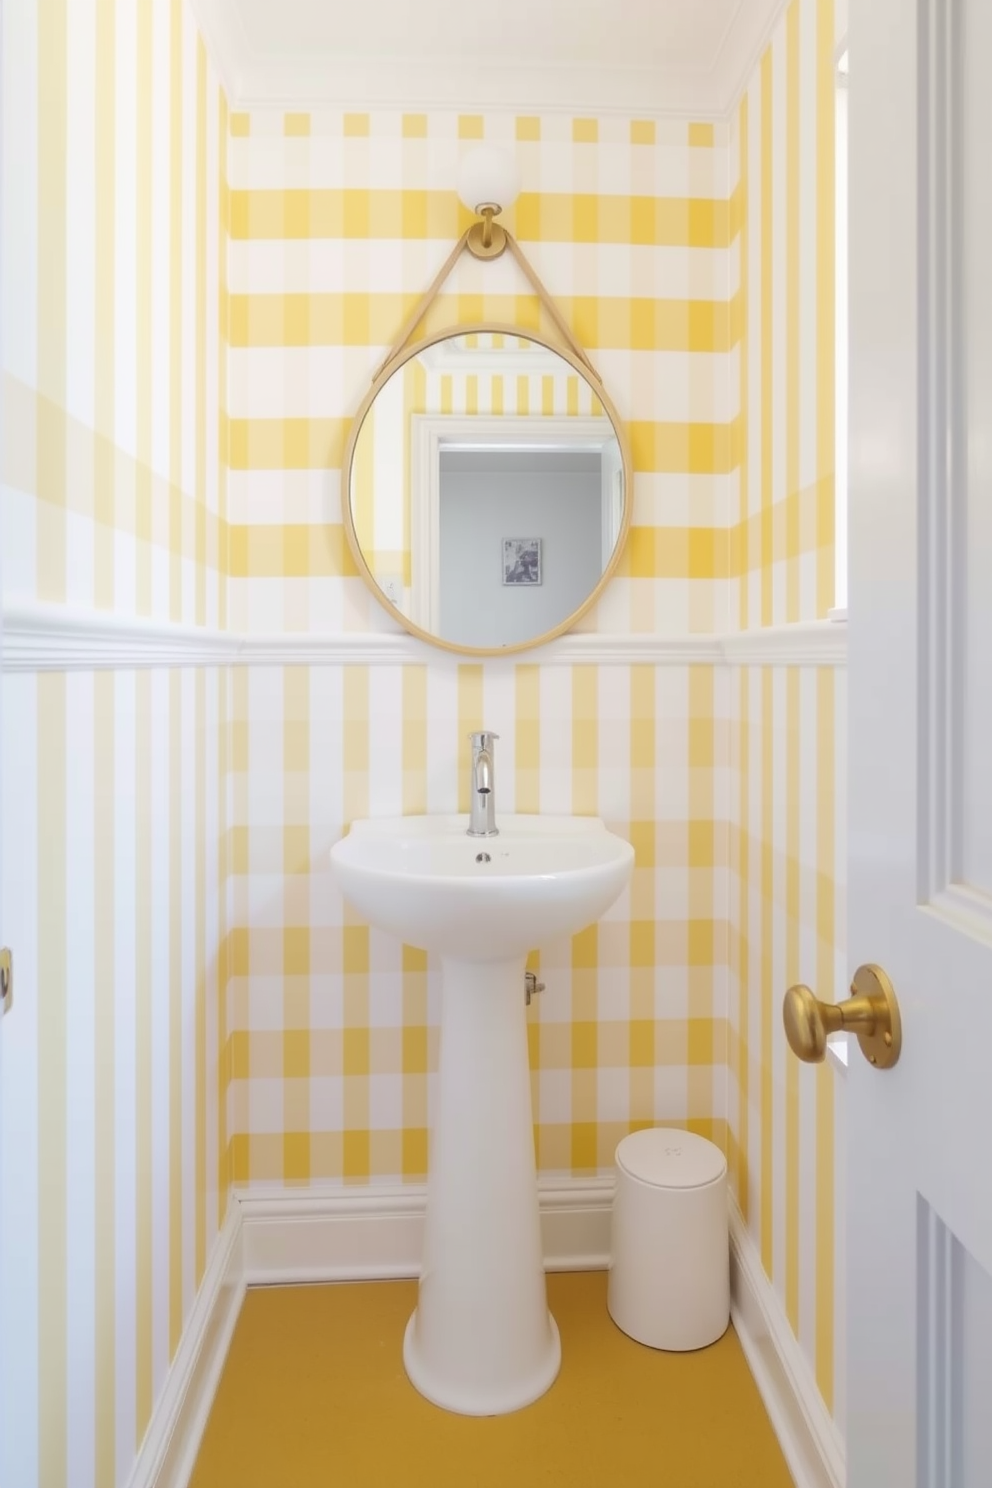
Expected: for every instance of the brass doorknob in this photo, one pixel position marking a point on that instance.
(871, 1012)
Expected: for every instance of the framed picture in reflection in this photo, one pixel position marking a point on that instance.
(521, 560)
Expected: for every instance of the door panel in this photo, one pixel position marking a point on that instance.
(970, 87)
(920, 827)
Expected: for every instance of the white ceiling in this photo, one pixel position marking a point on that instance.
(653, 57)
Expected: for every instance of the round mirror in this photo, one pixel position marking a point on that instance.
(487, 489)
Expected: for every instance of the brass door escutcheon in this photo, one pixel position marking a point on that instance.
(871, 1012)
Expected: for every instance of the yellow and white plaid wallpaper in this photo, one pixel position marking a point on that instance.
(113, 810)
(339, 222)
(334, 1024)
(182, 359)
(788, 731)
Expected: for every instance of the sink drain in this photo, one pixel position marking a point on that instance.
(483, 858)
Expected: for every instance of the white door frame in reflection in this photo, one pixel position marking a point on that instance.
(433, 434)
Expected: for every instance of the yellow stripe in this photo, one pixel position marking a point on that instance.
(792, 975)
(53, 1234)
(743, 564)
(175, 312)
(585, 740)
(792, 382)
(105, 1111)
(826, 926)
(296, 1013)
(744, 966)
(201, 338)
(223, 308)
(200, 955)
(470, 719)
(767, 999)
(656, 222)
(355, 937)
(175, 1013)
(642, 951)
(356, 318)
(144, 1056)
(698, 448)
(143, 316)
(415, 388)
(414, 739)
(826, 290)
(767, 348)
(104, 391)
(527, 738)
(48, 455)
(584, 1134)
(222, 868)
(700, 954)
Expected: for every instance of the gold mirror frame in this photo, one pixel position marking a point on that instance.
(404, 351)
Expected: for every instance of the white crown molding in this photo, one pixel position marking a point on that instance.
(51, 638)
(314, 81)
(809, 1438)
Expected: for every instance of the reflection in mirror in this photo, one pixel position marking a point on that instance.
(487, 490)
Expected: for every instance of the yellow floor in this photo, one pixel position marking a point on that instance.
(314, 1396)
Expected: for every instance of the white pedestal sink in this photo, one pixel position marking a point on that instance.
(481, 1340)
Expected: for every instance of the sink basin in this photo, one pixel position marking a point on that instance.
(421, 878)
(481, 1340)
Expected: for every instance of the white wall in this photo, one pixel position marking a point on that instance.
(487, 497)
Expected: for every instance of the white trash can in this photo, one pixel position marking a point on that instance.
(669, 1282)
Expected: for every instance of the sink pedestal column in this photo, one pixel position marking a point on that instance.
(481, 1340)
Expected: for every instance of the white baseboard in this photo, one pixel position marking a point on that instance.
(365, 1234)
(168, 1452)
(287, 1237)
(810, 1441)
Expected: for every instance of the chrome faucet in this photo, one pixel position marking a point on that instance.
(482, 798)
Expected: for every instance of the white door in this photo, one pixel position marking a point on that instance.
(919, 1369)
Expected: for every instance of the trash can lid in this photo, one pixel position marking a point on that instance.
(667, 1157)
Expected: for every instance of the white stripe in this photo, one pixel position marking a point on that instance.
(778, 744)
(19, 309)
(442, 737)
(556, 740)
(808, 1075)
(755, 1011)
(125, 236)
(807, 254)
(385, 741)
(214, 785)
(161, 309)
(161, 993)
(189, 234)
(125, 1197)
(80, 210)
(274, 163)
(779, 271)
(80, 1035)
(184, 983)
(19, 1090)
(326, 265)
(267, 382)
